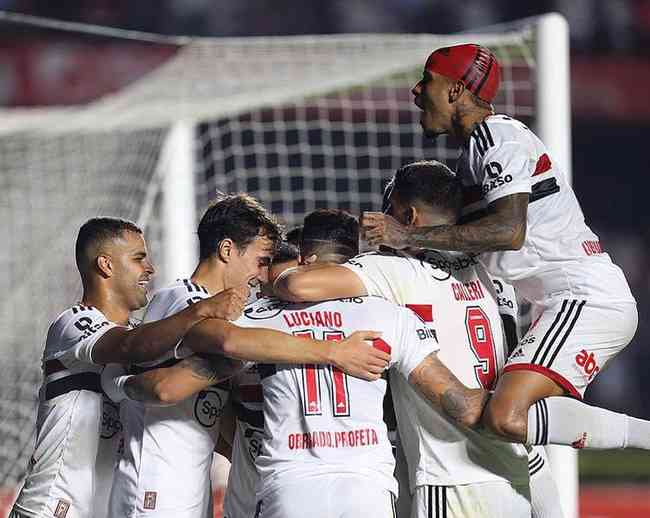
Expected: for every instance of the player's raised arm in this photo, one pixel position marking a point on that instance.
(149, 341)
(502, 228)
(316, 282)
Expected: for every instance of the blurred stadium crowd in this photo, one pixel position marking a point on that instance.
(596, 25)
(610, 76)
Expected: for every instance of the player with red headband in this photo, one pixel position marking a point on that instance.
(529, 230)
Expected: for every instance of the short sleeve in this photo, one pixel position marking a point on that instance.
(414, 340)
(503, 156)
(72, 337)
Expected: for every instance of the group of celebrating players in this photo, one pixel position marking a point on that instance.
(292, 387)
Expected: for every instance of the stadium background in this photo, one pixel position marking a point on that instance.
(610, 75)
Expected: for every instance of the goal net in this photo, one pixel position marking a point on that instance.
(299, 122)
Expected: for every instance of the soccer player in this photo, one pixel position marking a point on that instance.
(451, 469)
(533, 235)
(246, 401)
(164, 470)
(115, 270)
(326, 446)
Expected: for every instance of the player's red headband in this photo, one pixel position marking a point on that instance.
(472, 64)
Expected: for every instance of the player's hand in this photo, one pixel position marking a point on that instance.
(357, 357)
(228, 304)
(109, 374)
(382, 229)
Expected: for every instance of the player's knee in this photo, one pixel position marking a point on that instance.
(505, 421)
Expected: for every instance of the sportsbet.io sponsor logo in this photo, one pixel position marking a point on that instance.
(493, 171)
(208, 407)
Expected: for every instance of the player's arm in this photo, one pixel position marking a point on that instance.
(354, 355)
(316, 282)
(442, 389)
(150, 341)
(168, 385)
(503, 227)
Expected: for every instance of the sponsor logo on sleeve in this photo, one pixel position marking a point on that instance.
(495, 177)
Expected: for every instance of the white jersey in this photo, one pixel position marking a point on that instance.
(165, 468)
(560, 253)
(62, 476)
(452, 293)
(247, 402)
(319, 422)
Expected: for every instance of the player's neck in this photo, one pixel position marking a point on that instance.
(466, 119)
(108, 303)
(210, 274)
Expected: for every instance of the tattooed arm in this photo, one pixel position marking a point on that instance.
(503, 227)
(444, 391)
(170, 385)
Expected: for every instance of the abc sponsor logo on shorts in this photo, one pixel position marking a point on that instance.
(208, 407)
(586, 362)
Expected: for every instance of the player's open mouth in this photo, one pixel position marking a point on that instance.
(144, 283)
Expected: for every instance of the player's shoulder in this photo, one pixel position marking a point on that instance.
(180, 288)
(73, 322)
(181, 291)
(382, 257)
(497, 130)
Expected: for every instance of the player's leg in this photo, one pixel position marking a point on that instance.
(466, 501)
(559, 356)
(545, 498)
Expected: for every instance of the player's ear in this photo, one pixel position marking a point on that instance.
(412, 216)
(104, 265)
(456, 89)
(226, 250)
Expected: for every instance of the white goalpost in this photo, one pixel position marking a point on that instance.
(299, 122)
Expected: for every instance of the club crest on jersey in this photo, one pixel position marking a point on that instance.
(586, 361)
(208, 407)
(111, 423)
(61, 510)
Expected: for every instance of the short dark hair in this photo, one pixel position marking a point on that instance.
(285, 251)
(94, 232)
(294, 236)
(330, 231)
(239, 217)
(428, 181)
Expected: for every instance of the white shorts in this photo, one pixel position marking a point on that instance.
(342, 496)
(482, 500)
(571, 340)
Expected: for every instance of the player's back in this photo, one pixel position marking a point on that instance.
(320, 423)
(62, 474)
(165, 467)
(454, 295)
(560, 252)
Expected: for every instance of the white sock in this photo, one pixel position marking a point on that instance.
(564, 420)
(545, 498)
